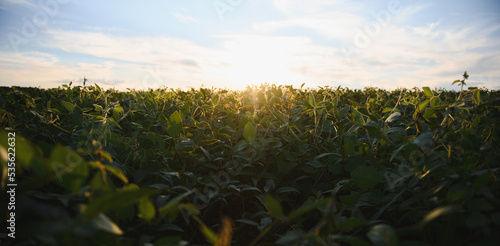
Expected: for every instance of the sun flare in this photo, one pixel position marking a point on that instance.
(256, 61)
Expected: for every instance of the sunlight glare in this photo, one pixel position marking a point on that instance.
(256, 61)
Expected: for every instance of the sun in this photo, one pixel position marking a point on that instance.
(256, 61)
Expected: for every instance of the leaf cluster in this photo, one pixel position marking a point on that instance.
(268, 165)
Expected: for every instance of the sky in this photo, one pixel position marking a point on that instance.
(230, 44)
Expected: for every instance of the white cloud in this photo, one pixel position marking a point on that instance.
(7, 4)
(394, 54)
(37, 69)
(149, 61)
(333, 25)
(299, 7)
(137, 49)
(183, 17)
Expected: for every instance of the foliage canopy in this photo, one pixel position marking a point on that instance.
(270, 164)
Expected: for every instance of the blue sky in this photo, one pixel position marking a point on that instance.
(231, 43)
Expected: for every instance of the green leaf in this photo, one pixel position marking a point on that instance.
(70, 169)
(280, 116)
(68, 106)
(326, 154)
(383, 234)
(394, 129)
(113, 121)
(215, 99)
(169, 227)
(174, 124)
(104, 223)
(343, 112)
(117, 172)
(430, 113)
(190, 208)
(98, 107)
(459, 192)
(287, 189)
(428, 92)
(305, 208)
(373, 131)
(273, 206)
(209, 234)
(349, 144)
(421, 106)
(366, 176)
(424, 140)
(118, 112)
(270, 185)
(437, 102)
(386, 110)
(185, 143)
(436, 213)
(249, 132)
(357, 116)
(477, 96)
(312, 100)
(185, 110)
(353, 223)
(248, 222)
(241, 145)
(207, 142)
(77, 115)
(113, 201)
(393, 117)
(147, 209)
(364, 111)
(350, 200)
(98, 88)
(354, 128)
(335, 102)
(160, 142)
(172, 204)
